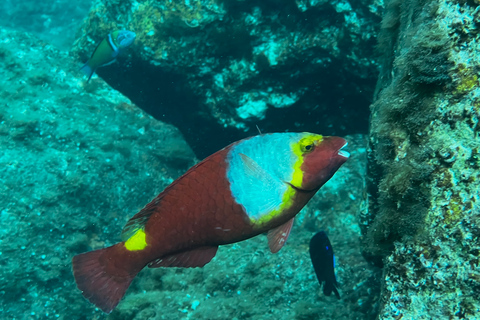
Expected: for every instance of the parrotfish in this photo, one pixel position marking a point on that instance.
(107, 50)
(250, 187)
(323, 260)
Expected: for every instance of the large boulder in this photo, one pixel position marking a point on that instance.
(220, 68)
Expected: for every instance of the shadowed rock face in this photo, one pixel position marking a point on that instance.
(222, 67)
(423, 209)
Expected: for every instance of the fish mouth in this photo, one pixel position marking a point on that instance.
(301, 190)
(343, 153)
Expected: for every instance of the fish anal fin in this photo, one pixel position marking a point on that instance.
(187, 259)
(278, 236)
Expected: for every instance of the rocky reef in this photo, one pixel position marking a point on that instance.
(422, 215)
(78, 159)
(221, 67)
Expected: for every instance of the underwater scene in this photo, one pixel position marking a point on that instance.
(240, 159)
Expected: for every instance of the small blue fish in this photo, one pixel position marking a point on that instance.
(107, 50)
(323, 260)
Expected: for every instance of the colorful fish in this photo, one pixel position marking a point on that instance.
(107, 51)
(252, 186)
(323, 260)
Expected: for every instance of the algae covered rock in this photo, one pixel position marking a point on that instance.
(76, 162)
(423, 208)
(221, 67)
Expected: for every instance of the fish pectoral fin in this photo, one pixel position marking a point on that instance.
(109, 63)
(186, 259)
(264, 190)
(278, 237)
(252, 168)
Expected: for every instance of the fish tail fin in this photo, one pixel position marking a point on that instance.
(89, 71)
(329, 287)
(104, 275)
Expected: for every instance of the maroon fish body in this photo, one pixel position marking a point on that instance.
(250, 187)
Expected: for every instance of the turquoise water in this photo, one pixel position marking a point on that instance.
(79, 159)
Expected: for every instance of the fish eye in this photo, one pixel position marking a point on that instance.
(307, 144)
(308, 147)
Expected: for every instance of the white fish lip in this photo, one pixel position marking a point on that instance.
(344, 153)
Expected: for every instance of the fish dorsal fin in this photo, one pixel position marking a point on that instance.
(139, 220)
(278, 236)
(187, 259)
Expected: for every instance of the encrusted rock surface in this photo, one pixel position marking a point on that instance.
(423, 211)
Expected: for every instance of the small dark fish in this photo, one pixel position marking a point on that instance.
(323, 260)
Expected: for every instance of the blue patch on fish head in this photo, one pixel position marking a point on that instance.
(125, 38)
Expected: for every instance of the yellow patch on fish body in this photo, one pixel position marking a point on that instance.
(302, 147)
(137, 241)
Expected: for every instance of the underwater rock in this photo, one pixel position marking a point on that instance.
(422, 216)
(76, 161)
(219, 68)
